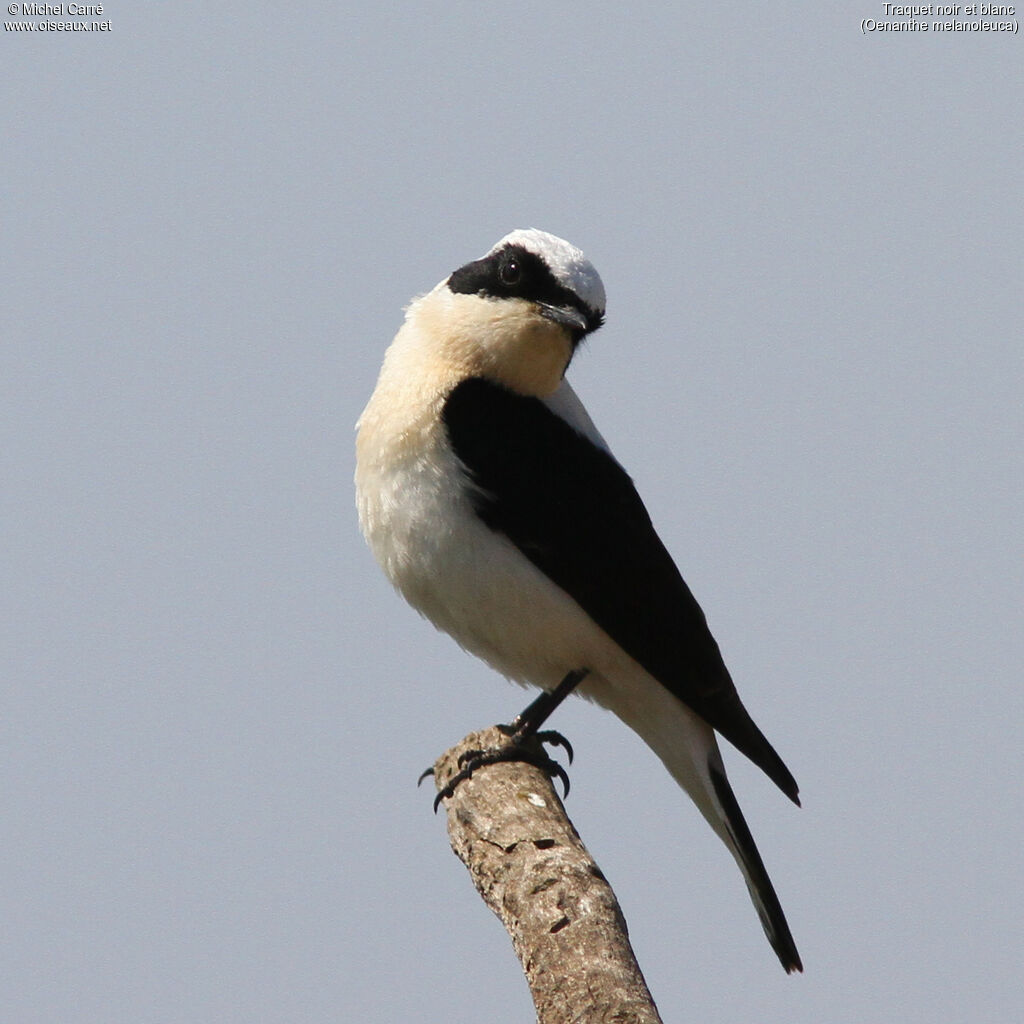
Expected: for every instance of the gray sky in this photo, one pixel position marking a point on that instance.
(214, 709)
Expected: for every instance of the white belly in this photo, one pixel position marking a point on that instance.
(466, 579)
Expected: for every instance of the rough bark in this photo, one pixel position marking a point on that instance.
(510, 829)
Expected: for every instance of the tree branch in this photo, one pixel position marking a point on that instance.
(508, 826)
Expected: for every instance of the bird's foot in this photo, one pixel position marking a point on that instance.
(525, 749)
(556, 739)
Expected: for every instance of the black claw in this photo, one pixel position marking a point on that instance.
(557, 771)
(430, 771)
(556, 739)
(470, 760)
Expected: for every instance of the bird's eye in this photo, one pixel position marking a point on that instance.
(510, 272)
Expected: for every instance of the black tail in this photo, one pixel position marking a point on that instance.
(762, 892)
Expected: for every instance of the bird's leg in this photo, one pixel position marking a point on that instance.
(522, 728)
(532, 718)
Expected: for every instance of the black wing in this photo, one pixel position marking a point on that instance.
(573, 511)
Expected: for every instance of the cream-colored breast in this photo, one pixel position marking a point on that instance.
(418, 520)
(505, 340)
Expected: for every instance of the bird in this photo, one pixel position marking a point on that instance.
(497, 510)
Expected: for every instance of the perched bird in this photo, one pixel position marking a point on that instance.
(496, 508)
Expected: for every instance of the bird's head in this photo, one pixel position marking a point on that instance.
(517, 314)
